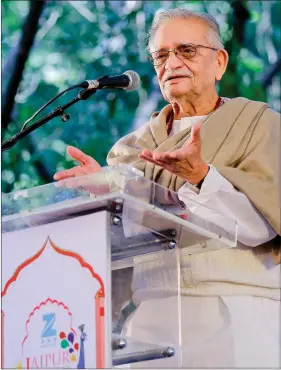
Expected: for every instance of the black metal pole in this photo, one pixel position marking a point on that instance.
(83, 95)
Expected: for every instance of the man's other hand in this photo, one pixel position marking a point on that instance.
(185, 162)
(87, 165)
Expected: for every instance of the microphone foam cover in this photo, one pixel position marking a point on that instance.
(134, 80)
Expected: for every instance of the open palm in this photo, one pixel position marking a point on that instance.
(88, 165)
(185, 162)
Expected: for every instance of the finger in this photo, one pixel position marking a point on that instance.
(66, 174)
(160, 156)
(195, 131)
(144, 156)
(168, 157)
(174, 155)
(171, 160)
(78, 155)
(74, 178)
(167, 165)
(61, 175)
(151, 160)
(147, 152)
(178, 155)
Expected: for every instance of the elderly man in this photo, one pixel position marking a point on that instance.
(222, 153)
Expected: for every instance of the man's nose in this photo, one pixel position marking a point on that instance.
(173, 62)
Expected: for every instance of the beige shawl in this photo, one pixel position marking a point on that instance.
(241, 139)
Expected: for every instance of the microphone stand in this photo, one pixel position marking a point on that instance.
(59, 111)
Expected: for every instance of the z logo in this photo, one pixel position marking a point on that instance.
(49, 330)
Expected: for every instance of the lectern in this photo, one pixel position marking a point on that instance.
(76, 257)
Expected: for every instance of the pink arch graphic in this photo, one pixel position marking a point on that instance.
(37, 308)
(99, 299)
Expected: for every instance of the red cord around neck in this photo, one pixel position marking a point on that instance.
(171, 117)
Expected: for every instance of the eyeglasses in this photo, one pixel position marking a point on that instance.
(184, 51)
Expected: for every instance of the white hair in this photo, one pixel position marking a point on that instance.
(213, 36)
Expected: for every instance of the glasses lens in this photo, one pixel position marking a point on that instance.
(159, 57)
(186, 51)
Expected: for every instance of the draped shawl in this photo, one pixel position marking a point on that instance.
(241, 140)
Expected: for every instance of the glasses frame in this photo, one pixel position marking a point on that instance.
(177, 54)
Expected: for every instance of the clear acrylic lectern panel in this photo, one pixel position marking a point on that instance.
(149, 230)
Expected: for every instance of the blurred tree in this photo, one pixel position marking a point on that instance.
(78, 40)
(20, 56)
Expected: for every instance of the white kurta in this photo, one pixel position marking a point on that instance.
(218, 193)
(230, 299)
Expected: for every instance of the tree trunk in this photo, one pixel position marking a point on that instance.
(239, 14)
(271, 72)
(16, 63)
(21, 55)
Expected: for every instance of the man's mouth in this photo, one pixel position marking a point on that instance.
(174, 78)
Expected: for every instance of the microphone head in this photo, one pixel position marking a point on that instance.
(134, 80)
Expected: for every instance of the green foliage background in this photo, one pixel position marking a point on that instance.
(80, 40)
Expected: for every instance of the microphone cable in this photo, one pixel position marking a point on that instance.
(48, 103)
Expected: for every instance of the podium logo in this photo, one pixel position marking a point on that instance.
(49, 333)
(51, 341)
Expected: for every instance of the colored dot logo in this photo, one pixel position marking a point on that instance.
(67, 343)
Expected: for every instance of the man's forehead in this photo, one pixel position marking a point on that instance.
(179, 31)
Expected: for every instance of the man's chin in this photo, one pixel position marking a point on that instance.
(176, 92)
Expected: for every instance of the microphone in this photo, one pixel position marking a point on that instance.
(129, 80)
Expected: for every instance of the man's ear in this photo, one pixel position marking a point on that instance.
(222, 61)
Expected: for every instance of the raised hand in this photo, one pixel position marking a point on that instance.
(87, 165)
(185, 162)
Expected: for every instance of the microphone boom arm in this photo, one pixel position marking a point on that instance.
(59, 111)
